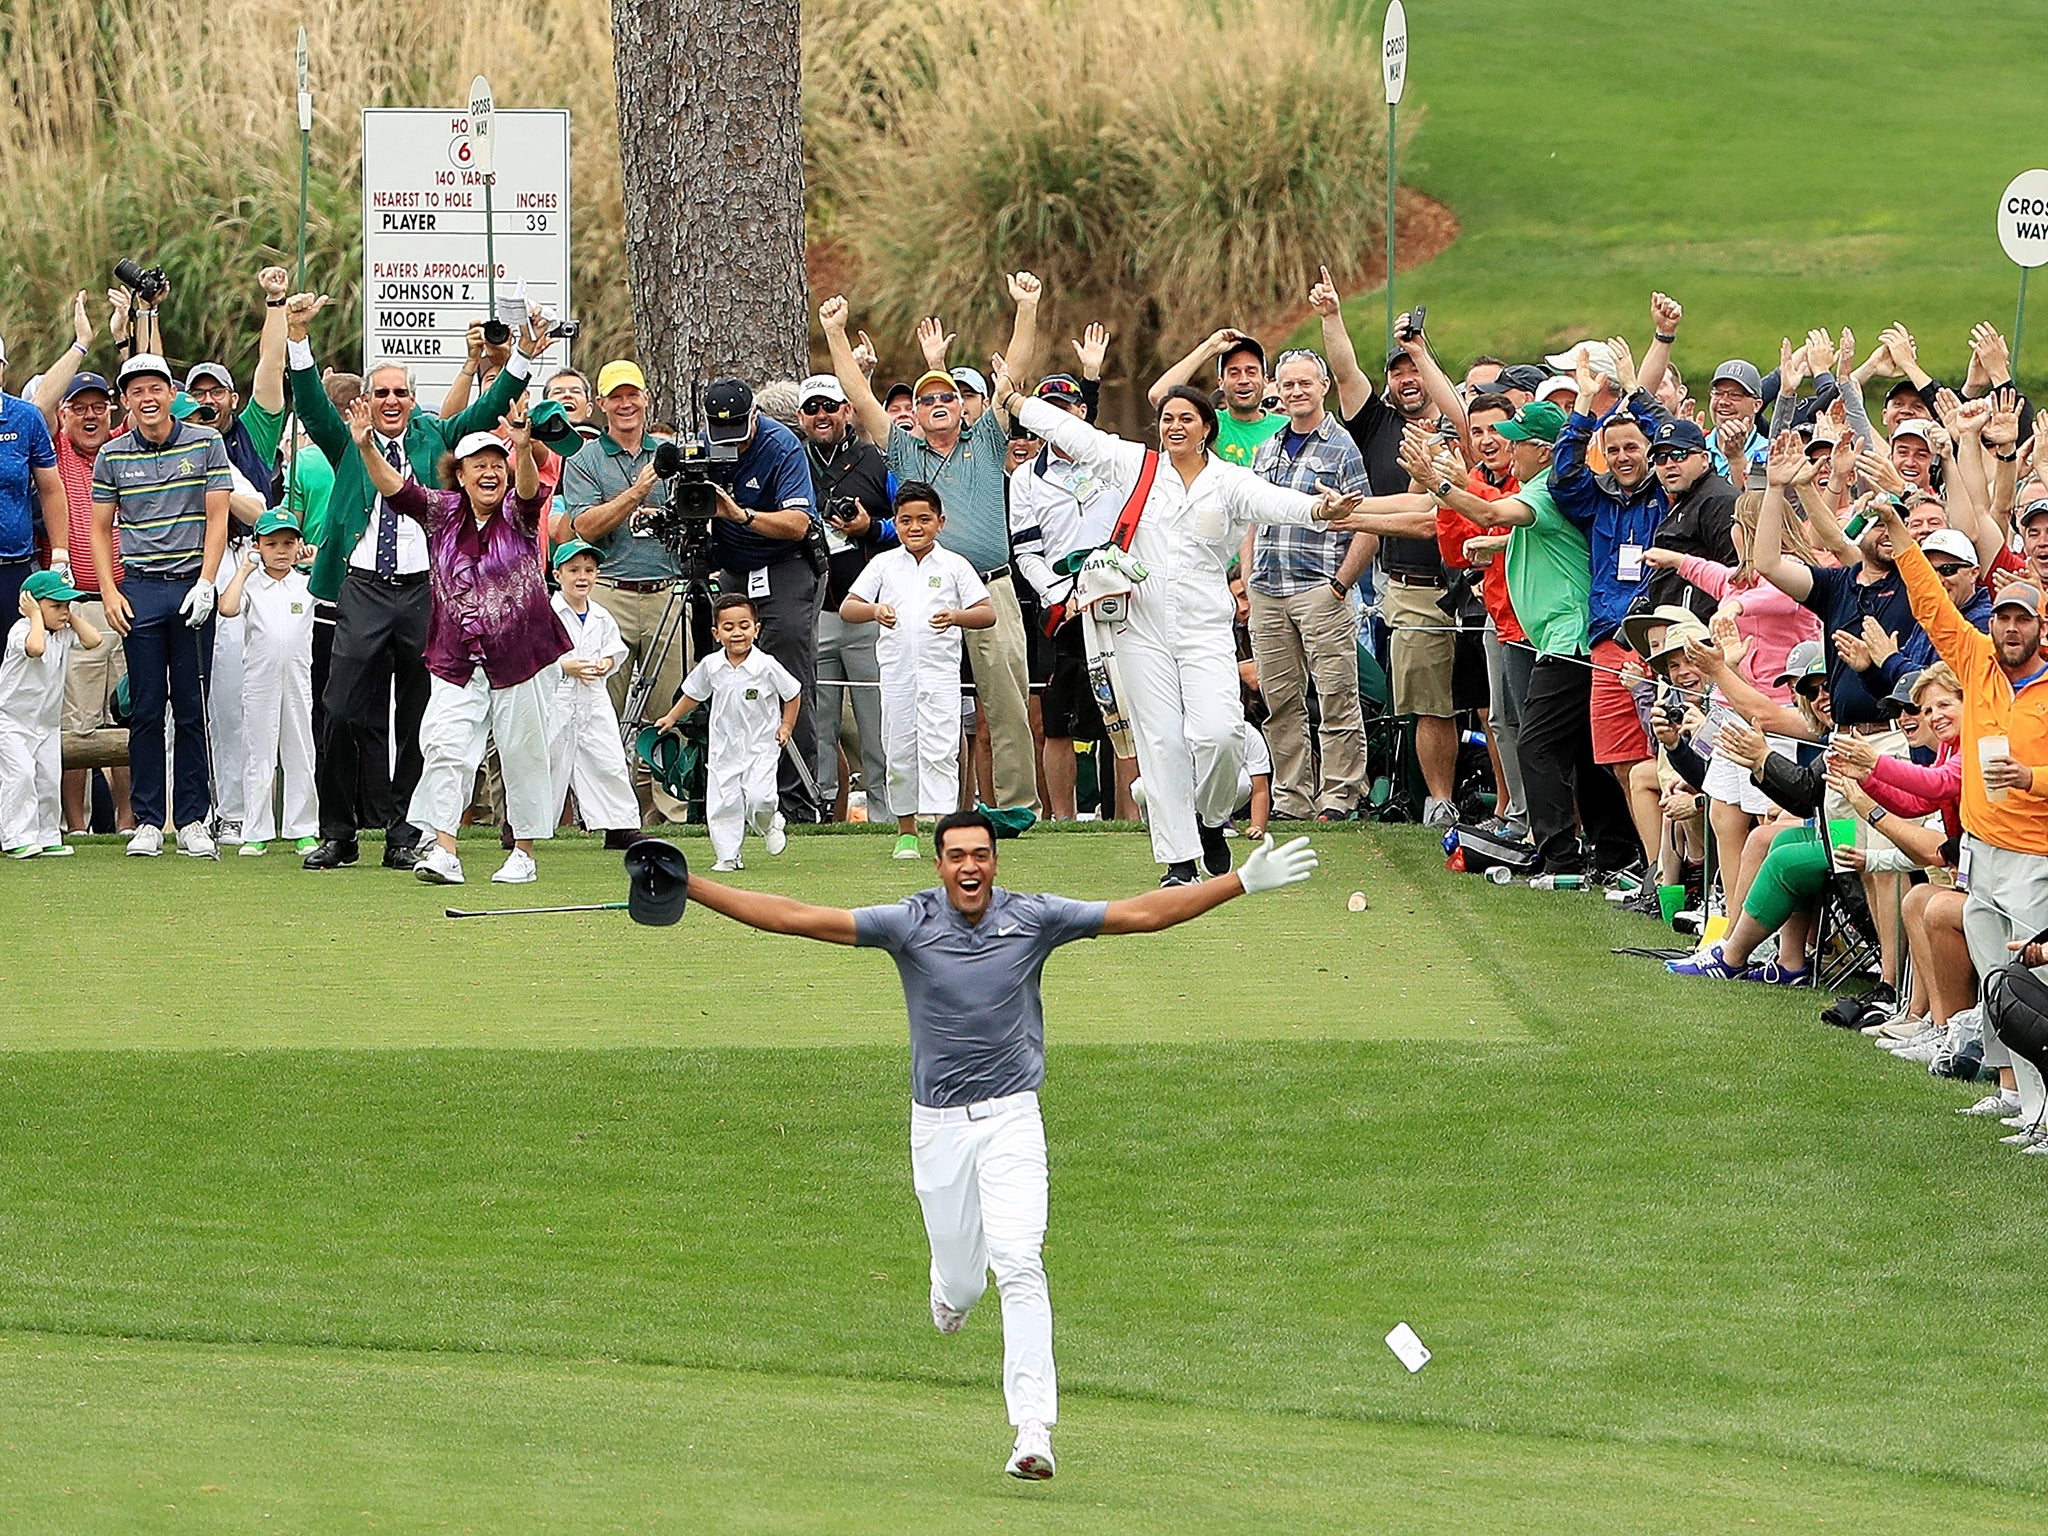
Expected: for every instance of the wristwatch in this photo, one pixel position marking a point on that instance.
(1444, 487)
(1877, 814)
(1342, 589)
(749, 518)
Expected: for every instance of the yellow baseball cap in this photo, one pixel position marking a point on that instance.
(938, 375)
(613, 374)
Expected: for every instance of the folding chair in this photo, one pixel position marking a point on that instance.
(1845, 938)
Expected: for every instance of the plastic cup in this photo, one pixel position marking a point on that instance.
(1670, 901)
(1990, 748)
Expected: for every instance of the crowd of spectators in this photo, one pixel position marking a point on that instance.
(1763, 666)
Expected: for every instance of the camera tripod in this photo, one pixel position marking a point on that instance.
(678, 616)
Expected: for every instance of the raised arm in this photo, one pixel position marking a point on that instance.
(1768, 556)
(1665, 315)
(874, 421)
(1207, 350)
(317, 414)
(779, 914)
(58, 376)
(267, 388)
(1353, 387)
(1022, 352)
(1443, 395)
(382, 474)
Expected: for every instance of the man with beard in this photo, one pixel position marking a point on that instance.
(1245, 423)
(1423, 654)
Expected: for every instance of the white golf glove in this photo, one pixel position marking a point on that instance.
(198, 605)
(60, 562)
(1268, 868)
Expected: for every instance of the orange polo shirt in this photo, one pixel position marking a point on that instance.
(2019, 822)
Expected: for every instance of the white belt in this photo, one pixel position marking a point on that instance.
(986, 1109)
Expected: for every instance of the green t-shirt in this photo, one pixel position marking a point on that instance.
(1239, 441)
(311, 478)
(1550, 574)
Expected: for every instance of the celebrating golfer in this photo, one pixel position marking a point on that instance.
(970, 954)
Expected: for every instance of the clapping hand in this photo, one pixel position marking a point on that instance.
(1624, 363)
(1879, 471)
(1091, 349)
(81, 321)
(357, 416)
(1852, 650)
(1991, 351)
(1851, 756)
(1742, 742)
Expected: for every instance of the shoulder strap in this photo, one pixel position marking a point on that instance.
(1127, 520)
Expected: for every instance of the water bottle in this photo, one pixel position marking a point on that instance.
(1556, 882)
(1500, 874)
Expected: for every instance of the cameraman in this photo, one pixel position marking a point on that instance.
(605, 491)
(851, 479)
(761, 545)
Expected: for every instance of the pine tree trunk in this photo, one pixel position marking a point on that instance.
(711, 142)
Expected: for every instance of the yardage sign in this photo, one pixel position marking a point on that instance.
(423, 233)
(1394, 52)
(2023, 219)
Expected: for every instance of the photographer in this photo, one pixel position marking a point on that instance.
(607, 492)
(761, 546)
(851, 480)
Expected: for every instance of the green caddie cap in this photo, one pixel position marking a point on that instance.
(50, 586)
(277, 520)
(1538, 421)
(566, 552)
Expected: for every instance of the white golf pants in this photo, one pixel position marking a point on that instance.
(980, 1176)
(277, 743)
(457, 723)
(224, 722)
(31, 771)
(1188, 725)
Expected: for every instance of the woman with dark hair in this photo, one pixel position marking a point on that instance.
(492, 642)
(1175, 648)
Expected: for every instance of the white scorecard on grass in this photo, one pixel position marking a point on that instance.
(1407, 1348)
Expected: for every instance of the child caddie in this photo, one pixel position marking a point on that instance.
(584, 750)
(754, 702)
(923, 597)
(31, 716)
(277, 687)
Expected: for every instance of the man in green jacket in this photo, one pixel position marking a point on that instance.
(372, 566)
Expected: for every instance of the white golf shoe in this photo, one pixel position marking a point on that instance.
(146, 843)
(1032, 1458)
(438, 866)
(194, 843)
(727, 866)
(776, 837)
(519, 869)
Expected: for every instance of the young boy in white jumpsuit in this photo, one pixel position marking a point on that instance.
(32, 716)
(585, 752)
(1177, 653)
(754, 702)
(922, 596)
(276, 715)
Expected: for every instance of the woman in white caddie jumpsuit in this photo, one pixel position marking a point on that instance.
(1176, 653)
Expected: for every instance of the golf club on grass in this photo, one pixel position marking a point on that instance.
(602, 906)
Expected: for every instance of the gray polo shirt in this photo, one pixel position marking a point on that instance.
(600, 471)
(973, 482)
(977, 1030)
(159, 493)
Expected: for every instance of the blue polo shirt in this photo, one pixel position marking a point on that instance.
(1842, 602)
(24, 444)
(773, 475)
(1609, 517)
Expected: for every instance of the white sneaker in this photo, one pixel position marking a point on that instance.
(2016, 1120)
(948, 1320)
(146, 842)
(518, 869)
(1032, 1459)
(194, 843)
(1993, 1104)
(726, 866)
(438, 866)
(2026, 1136)
(776, 837)
(230, 834)
(1923, 1049)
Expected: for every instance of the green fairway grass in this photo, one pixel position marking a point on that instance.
(1772, 169)
(257, 952)
(1687, 1258)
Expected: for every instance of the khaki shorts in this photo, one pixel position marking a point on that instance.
(90, 677)
(1423, 651)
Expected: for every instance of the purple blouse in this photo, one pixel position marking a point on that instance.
(491, 605)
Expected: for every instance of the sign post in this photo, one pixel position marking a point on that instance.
(424, 277)
(305, 160)
(1394, 72)
(2023, 232)
(481, 149)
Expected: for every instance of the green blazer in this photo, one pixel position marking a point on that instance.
(353, 498)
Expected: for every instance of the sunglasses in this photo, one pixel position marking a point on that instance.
(1907, 709)
(1670, 455)
(400, 393)
(938, 397)
(818, 407)
(1811, 689)
(1950, 570)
